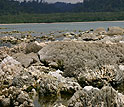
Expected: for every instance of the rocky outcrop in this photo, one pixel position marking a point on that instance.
(115, 31)
(100, 30)
(14, 97)
(9, 68)
(94, 97)
(26, 59)
(54, 84)
(79, 58)
(33, 47)
(23, 79)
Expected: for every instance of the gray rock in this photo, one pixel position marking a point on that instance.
(89, 37)
(100, 30)
(54, 84)
(75, 58)
(22, 97)
(13, 96)
(23, 79)
(9, 68)
(5, 102)
(33, 47)
(26, 59)
(93, 97)
(115, 31)
(53, 64)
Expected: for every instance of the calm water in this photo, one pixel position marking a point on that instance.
(60, 26)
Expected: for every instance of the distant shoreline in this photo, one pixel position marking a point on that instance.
(61, 22)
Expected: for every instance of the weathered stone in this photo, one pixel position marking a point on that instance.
(54, 83)
(100, 30)
(105, 75)
(76, 58)
(5, 102)
(20, 48)
(33, 47)
(26, 59)
(16, 97)
(9, 68)
(89, 37)
(4, 52)
(93, 97)
(23, 79)
(22, 97)
(115, 31)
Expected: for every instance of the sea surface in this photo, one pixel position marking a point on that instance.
(49, 27)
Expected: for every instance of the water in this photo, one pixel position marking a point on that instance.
(60, 26)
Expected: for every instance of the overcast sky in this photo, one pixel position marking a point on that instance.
(53, 1)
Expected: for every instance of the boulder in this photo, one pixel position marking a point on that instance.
(5, 102)
(80, 58)
(20, 48)
(115, 31)
(4, 51)
(26, 59)
(33, 47)
(23, 79)
(54, 84)
(15, 97)
(89, 37)
(22, 97)
(100, 30)
(94, 97)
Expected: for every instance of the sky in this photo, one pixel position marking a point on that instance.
(53, 1)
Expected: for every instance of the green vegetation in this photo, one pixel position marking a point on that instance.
(62, 17)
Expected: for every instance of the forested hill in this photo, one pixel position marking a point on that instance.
(16, 7)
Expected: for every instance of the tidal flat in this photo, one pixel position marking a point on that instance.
(62, 69)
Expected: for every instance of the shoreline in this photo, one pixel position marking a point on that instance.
(61, 22)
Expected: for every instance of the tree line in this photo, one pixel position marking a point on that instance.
(41, 7)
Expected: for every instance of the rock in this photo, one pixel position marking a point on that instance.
(5, 102)
(20, 48)
(88, 88)
(26, 59)
(59, 105)
(105, 97)
(54, 84)
(4, 52)
(80, 58)
(23, 59)
(15, 97)
(113, 39)
(121, 67)
(23, 79)
(89, 37)
(22, 97)
(105, 75)
(53, 64)
(33, 47)
(9, 68)
(100, 30)
(115, 31)
(66, 39)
